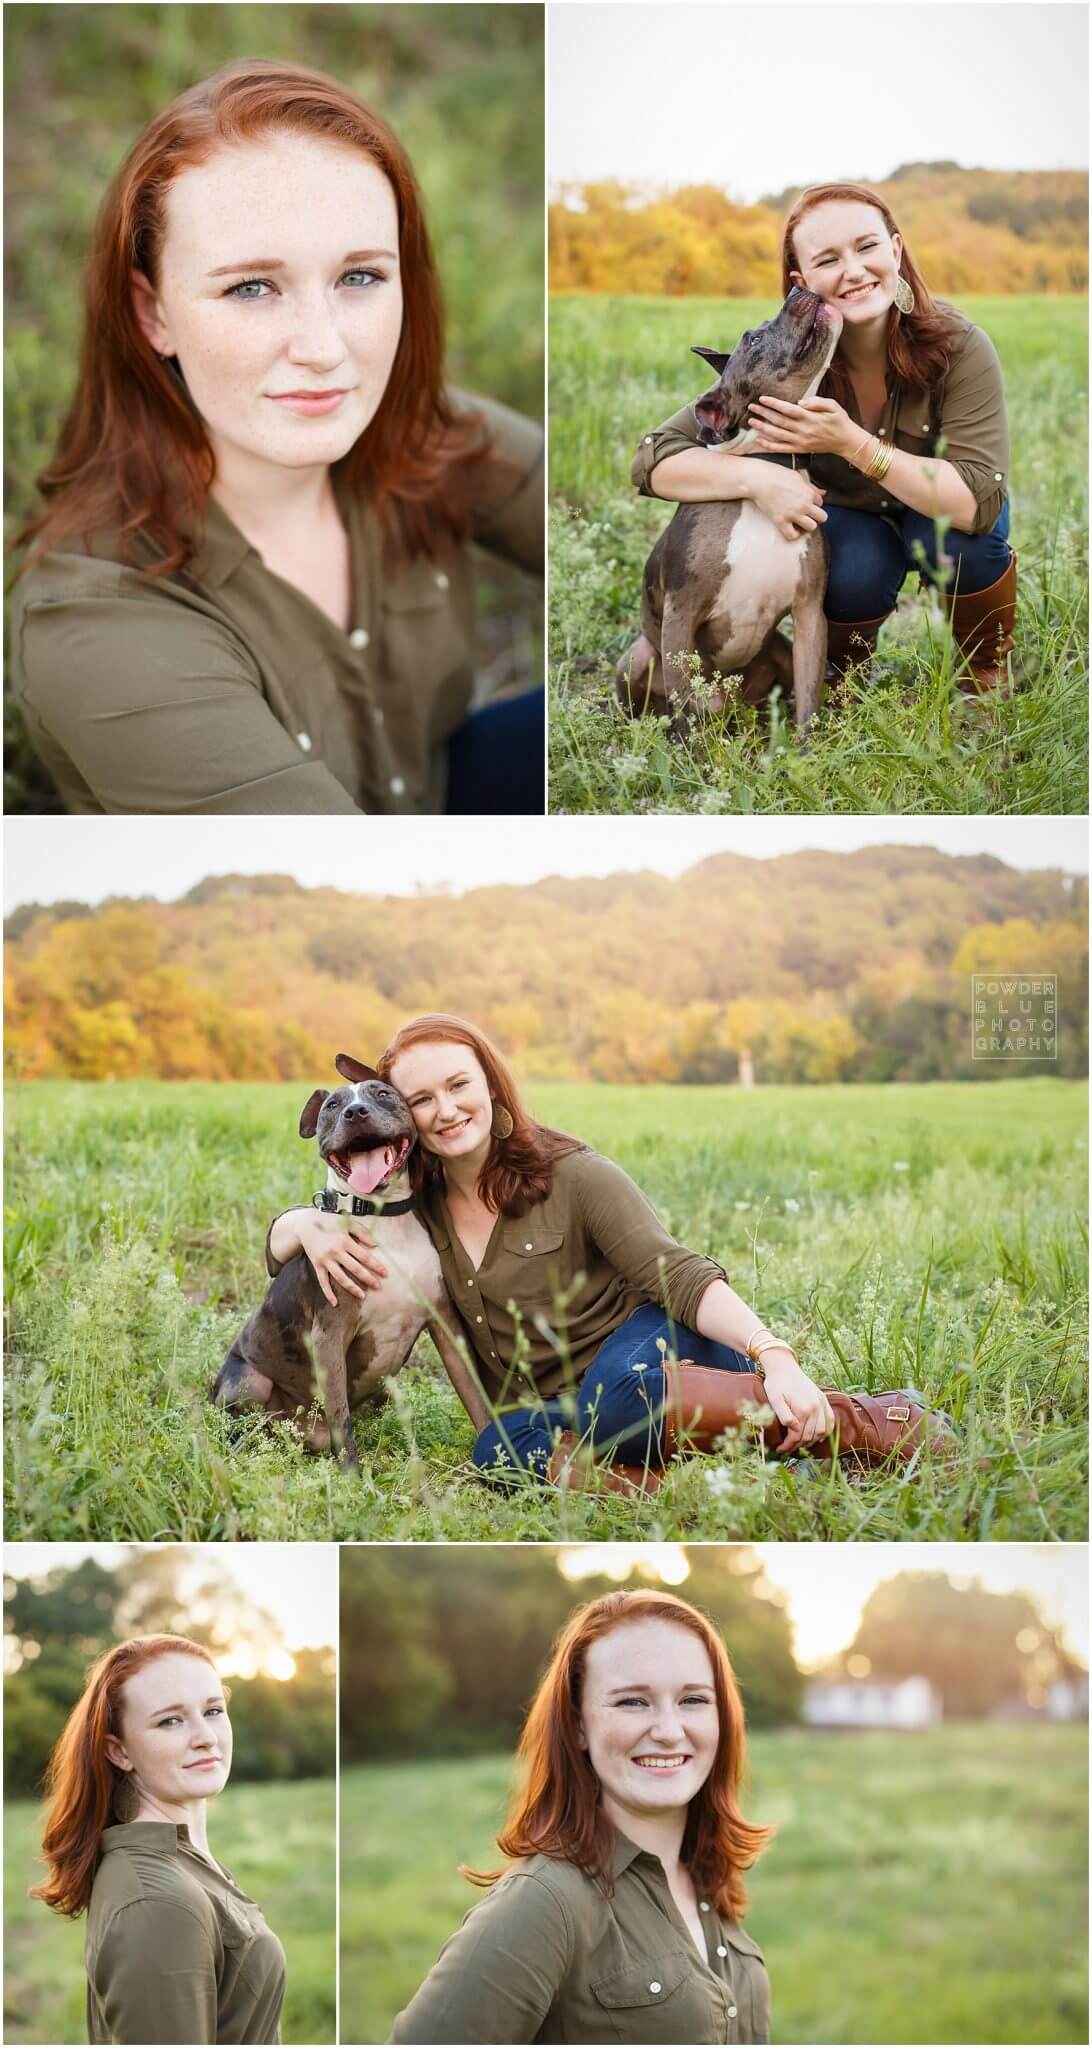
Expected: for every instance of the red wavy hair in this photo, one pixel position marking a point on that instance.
(133, 458)
(81, 1781)
(520, 1169)
(919, 344)
(557, 1813)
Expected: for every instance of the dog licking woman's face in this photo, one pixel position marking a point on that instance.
(447, 1091)
(845, 254)
(174, 1739)
(279, 293)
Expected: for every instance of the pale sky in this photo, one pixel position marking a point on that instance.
(828, 1583)
(296, 1583)
(755, 98)
(47, 860)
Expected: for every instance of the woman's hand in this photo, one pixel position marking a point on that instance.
(817, 426)
(796, 1401)
(791, 501)
(340, 1257)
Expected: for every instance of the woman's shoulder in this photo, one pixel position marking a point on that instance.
(970, 343)
(134, 1871)
(569, 1888)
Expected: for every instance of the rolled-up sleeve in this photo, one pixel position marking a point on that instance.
(155, 1975)
(975, 427)
(675, 437)
(625, 1226)
(498, 1976)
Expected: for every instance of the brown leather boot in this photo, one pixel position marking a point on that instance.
(982, 623)
(850, 641)
(573, 1467)
(702, 1402)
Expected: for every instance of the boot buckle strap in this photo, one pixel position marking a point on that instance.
(898, 1414)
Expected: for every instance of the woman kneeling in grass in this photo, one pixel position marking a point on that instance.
(910, 376)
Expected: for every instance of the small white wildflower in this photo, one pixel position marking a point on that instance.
(791, 1203)
(720, 1482)
(902, 1165)
(742, 1205)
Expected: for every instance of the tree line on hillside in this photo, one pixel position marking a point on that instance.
(59, 1624)
(809, 968)
(442, 1648)
(968, 231)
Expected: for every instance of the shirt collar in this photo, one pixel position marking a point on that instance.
(624, 1853)
(221, 548)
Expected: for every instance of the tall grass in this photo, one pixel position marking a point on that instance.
(926, 1236)
(278, 1841)
(906, 741)
(920, 1888)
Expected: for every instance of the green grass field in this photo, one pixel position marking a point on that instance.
(920, 1888)
(925, 1236)
(906, 741)
(279, 1843)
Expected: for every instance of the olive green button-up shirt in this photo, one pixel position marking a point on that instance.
(546, 1957)
(175, 1951)
(228, 691)
(967, 408)
(563, 1277)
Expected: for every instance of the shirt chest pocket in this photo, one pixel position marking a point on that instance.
(659, 1999)
(916, 428)
(533, 1257)
(236, 1933)
(427, 646)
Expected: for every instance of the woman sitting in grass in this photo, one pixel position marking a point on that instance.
(618, 1917)
(906, 444)
(175, 1951)
(568, 1287)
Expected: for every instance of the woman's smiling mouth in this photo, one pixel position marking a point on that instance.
(860, 291)
(452, 1130)
(661, 1763)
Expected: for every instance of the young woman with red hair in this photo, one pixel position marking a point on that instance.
(569, 1288)
(175, 1951)
(250, 586)
(908, 426)
(618, 1918)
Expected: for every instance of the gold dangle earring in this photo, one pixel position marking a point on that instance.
(503, 1123)
(904, 296)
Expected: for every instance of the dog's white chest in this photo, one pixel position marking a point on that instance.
(762, 575)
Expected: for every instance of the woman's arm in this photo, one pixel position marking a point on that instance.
(155, 1974)
(796, 1401)
(498, 1976)
(157, 708)
(671, 463)
(820, 426)
(343, 1257)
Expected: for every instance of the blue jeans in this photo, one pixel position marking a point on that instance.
(619, 1401)
(496, 762)
(870, 560)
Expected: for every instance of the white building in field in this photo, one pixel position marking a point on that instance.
(904, 1703)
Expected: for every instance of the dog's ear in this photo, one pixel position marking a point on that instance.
(713, 355)
(309, 1114)
(354, 1070)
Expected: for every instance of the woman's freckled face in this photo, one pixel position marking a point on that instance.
(317, 323)
(649, 1717)
(845, 254)
(175, 1734)
(448, 1095)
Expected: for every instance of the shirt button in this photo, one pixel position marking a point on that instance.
(648, 440)
(997, 477)
(398, 787)
(528, 1247)
(359, 637)
(303, 739)
(477, 1319)
(442, 581)
(880, 431)
(470, 1283)
(732, 2011)
(704, 1906)
(883, 504)
(654, 1986)
(722, 1951)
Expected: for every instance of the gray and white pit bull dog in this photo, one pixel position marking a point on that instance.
(721, 577)
(295, 1347)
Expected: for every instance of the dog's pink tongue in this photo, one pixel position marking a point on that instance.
(367, 1169)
